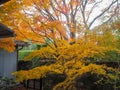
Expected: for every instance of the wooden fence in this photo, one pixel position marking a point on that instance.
(34, 84)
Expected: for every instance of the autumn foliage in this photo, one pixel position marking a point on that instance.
(7, 44)
(58, 21)
(70, 59)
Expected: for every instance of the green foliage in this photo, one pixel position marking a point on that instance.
(111, 56)
(23, 53)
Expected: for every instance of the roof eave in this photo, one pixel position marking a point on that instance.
(6, 32)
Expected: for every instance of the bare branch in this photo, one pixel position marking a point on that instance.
(102, 13)
(93, 9)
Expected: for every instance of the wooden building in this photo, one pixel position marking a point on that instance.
(8, 61)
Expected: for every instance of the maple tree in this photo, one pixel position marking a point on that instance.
(36, 18)
(69, 60)
(59, 21)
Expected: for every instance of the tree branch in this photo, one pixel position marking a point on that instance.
(102, 13)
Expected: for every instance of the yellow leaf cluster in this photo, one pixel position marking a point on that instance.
(45, 52)
(44, 4)
(77, 51)
(73, 74)
(38, 72)
(7, 44)
(72, 69)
